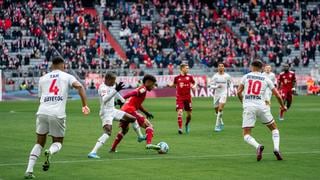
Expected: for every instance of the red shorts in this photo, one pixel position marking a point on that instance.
(287, 96)
(140, 117)
(185, 104)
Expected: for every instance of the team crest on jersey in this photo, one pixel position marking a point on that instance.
(187, 78)
(290, 75)
(142, 90)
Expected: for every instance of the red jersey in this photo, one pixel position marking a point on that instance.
(286, 80)
(183, 86)
(134, 102)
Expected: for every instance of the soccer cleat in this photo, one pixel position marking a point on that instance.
(113, 151)
(217, 129)
(140, 139)
(93, 156)
(278, 155)
(29, 175)
(46, 164)
(180, 131)
(187, 129)
(259, 152)
(152, 146)
(221, 126)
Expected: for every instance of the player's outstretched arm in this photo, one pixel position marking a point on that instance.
(132, 93)
(82, 93)
(279, 98)
(239, 92)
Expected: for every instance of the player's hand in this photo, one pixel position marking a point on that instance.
(283, 108)
(85, 110)
(120, 103)
(149, 115)
(119, 86)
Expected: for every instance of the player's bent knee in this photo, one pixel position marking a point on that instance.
(107, 129)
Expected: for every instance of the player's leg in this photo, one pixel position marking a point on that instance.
(57, 131)
(188, 109)
(276, 140)
(107, 128)
(289, 99)
(124, 125)
(284, 97)
(179, 109)
(149, 133)
(248, 122)
(216, 108)
(132, 118)
(222, 102)
(42, 128)
(34, 155)
(180, 114)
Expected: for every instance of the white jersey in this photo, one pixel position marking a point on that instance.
(224, 80)
(255, 86)
(107, 96)
(53, 93)
(271, 76)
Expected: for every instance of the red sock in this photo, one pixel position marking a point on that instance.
(281, 113)
(188, 119)
(180, 120)
(117, 141)
(149, 134)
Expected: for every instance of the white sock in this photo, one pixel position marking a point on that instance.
(217, 120)
(100, 142)
(137, 129)
(220, 117)
(34, 154)
(276, 139)
(55, 147)
(250, 140)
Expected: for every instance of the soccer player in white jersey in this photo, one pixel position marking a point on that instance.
(251, 94)
(108, 91)
(269, 74)
(51, 116)
(220, 82)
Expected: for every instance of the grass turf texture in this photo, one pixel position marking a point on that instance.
(202, 154)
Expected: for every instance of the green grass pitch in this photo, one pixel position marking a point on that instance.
(203, 154)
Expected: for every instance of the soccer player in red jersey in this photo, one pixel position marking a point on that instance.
(183, 83)
(286, 84)
(133, 104)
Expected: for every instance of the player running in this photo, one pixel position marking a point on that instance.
(269, 74)
(220, 82)
(51, 115)
(251, 93)
(132, 106)
(183, 83)
(108, 91)
(286, 84)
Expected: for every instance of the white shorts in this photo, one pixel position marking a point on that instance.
(251, 113)
(268, 95)
(109, 116)
(50, 125)
(219, 100)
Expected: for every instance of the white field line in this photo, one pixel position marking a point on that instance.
(161, 156)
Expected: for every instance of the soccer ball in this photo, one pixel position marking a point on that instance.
(164, 148)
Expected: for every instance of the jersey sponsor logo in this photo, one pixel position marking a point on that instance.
(53, 98)
(252, 97)
(142, 90)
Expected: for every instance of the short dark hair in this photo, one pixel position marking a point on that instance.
(257, 63)
(149, 77)
(220, 63)
(110, 75)
(57, 60)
